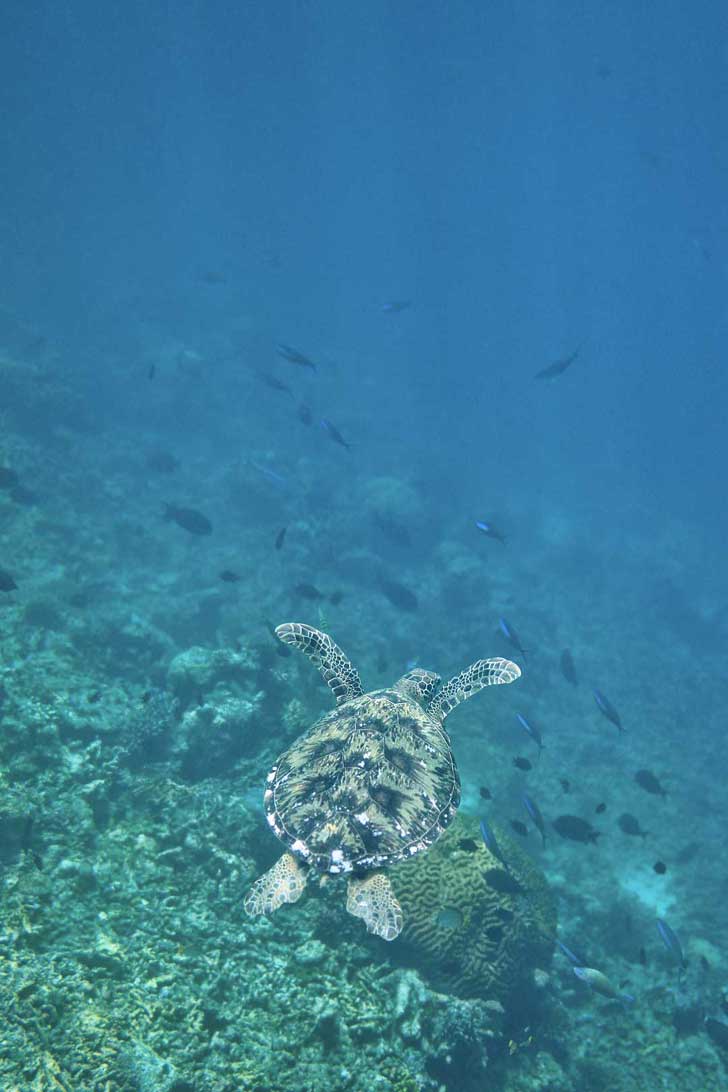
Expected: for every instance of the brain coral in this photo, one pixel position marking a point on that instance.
(471, 927)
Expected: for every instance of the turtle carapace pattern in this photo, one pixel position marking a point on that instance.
(371, 783)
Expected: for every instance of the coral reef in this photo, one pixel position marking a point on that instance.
(474, 928)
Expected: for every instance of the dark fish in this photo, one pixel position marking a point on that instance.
(280, 537)
(274, 382)
(568, 670)
(212, 277)
(600, 809)
(7, 584)
(334, 433)
(162, 462)
(399, 596)
(152, 371)
(630, 825)
(490, 530)
(532, 730)
(671, 941)
(229, 576)
(510, 634)
(575, 829)
(718, 1031)
(535, 812)
(522, 763)
(189, 519)
(606, 707)
(8, 478)
(294, 357)
(336, 597)
(642, 956)
(557, 367)
(485, 793)
(565, 785)
(647, 781)
(491, 842)
(308, 591)
(519, 827)
(94, 697)
(660, 868)
(704, 964)
(304, 414)
(394, 307)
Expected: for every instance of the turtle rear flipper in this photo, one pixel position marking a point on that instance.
(474, 678)
(339, 674)
(284, 882)
(372, 900)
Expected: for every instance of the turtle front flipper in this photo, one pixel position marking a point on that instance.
(284, 882)
(474, 678)
(372, 899)
(339, 675)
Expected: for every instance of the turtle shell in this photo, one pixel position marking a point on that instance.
(371, 783)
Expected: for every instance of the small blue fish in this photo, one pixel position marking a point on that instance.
(271, 475)
(490, 531)
(532, 731)
(535, 812)
(671, 941)
(510, 634)
(491, 843)
(334, 433)
(606, 707)
(571, 956)
(393, 307)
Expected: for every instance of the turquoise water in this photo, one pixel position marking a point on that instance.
(277, 286)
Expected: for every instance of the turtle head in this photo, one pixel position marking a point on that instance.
(418, 685)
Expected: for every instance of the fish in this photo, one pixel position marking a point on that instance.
(630, 825)
(671, 941)
(304, 414)
(280, 537)
(575, 829)
(600, 808)
(558, 367)
(8, 478)
(308, 591)
(152, 371)
(532, 730)
(212, 277)
(490, 531)
(565, 784)
(571, 956)
(510, 634)
(491, 842)
(293, 356)
(485, 793)
(647, 781)
(535, 812)
(161, 462)
(334, 433)
(189, 519)
(399, 596)
(229, 576)
(568, 670)
(7, 584)
(267, 472)
(519, 827)
(660, 868)
(522, 763)
(394, 307)
(336, 597)
(599, 983)
(274, 382)
(606, 707)
(642, 956)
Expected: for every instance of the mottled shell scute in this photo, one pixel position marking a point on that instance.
(371, 783)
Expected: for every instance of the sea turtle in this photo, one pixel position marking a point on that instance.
(371, 783)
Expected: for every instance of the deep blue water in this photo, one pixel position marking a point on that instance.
(185, 186)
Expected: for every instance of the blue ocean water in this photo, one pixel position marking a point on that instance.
(289, 273)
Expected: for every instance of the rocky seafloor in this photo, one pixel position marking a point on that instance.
(143, 700)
